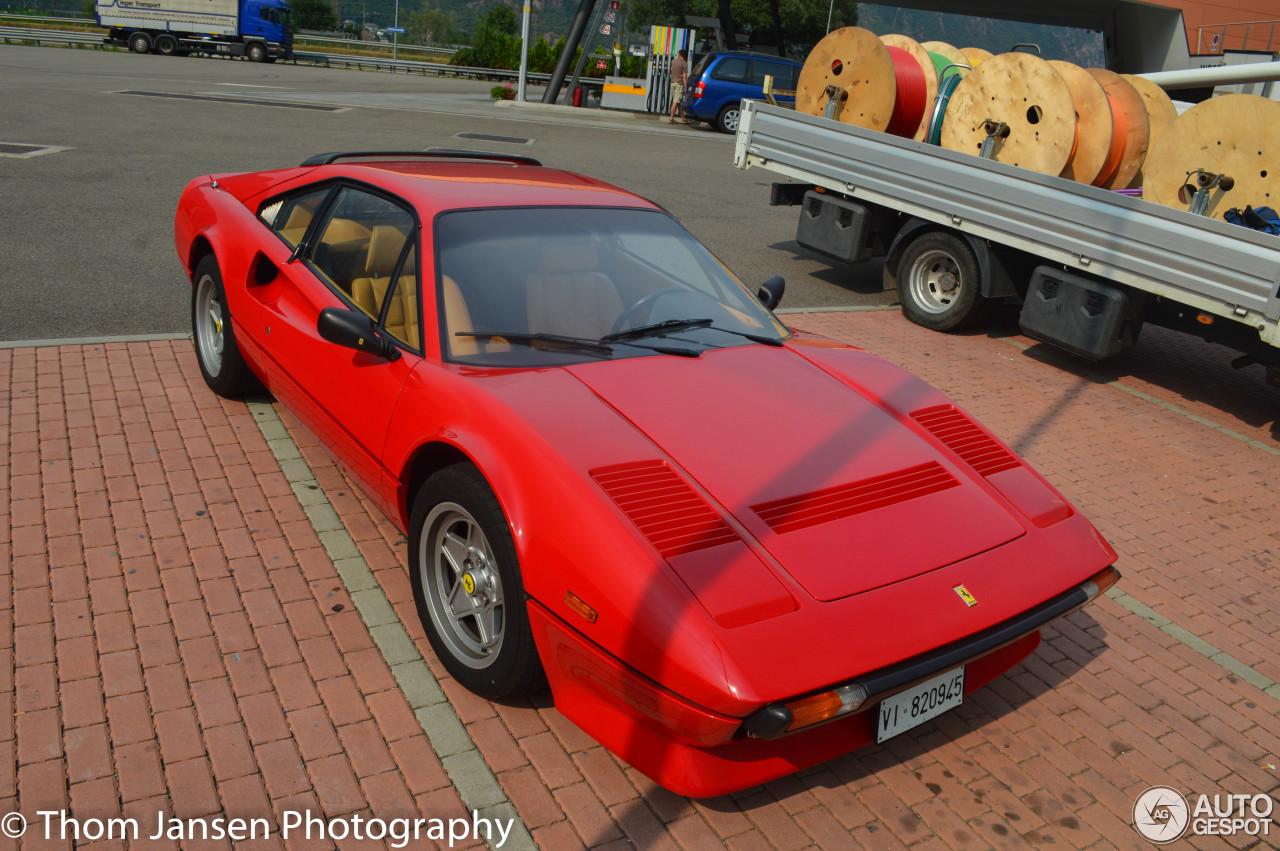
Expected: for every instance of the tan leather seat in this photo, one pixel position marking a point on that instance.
(296, 227)
(566, 295)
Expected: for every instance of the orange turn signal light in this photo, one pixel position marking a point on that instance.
(575, 602)
(1101, 581)
(816, 708)
(1204, 319)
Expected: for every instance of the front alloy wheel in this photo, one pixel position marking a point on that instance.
(466, 583)
(462, 584)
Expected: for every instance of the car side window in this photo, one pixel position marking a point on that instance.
(359, 245)
(398, 310)
(291, 217)
(781, 73)
(735, 69)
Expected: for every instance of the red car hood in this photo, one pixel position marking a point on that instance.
(844, 496)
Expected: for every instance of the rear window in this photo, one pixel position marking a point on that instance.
(701, 67)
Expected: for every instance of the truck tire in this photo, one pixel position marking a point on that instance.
(166, 45)
(139, 43)
(939, 282)
(256, 52)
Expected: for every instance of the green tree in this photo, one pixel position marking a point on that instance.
(493, 42)
(314, 15)
(433, 26)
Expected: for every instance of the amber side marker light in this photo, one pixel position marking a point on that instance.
(1101, 581)
(1204, 319)
(575, 602)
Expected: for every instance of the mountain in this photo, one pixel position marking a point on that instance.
(1083, 47)
(553, 17)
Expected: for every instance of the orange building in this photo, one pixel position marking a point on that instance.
(1217, 25)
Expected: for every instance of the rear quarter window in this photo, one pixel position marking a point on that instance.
(734, 69)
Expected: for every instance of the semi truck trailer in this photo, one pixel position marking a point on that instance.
(260, 30)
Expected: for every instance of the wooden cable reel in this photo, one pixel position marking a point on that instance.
(975, 56)
(912, 47)
(1160, 112)
(1129, 114)
(952, 55)
(856, 63)
(1235, 136)
(1025, 93)
(1093, 123)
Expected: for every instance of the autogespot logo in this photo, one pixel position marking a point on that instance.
(1161, 814)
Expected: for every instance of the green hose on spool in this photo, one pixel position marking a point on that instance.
(945, 90)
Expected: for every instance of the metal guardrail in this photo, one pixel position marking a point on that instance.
(10, 35)
(355, 42)
(1239, 35)
(20, 34)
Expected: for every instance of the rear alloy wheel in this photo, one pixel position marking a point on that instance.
(727, 120)
(257, 52)
(221, 364)
(466, 583)
(139, 43)
(166, 45)
(939, 282)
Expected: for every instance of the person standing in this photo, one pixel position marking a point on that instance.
(679, 79)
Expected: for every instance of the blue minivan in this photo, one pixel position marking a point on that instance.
(719, 82)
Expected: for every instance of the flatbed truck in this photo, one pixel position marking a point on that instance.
(958, 233)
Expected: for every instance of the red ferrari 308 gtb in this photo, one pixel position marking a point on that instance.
(733, 550)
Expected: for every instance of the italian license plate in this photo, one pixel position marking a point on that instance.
(919, 703)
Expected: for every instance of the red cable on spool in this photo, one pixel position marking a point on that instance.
(1119, 138)
(908, 109)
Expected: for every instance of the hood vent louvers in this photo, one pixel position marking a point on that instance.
(824, 506)
(666, 510)
(963, 437)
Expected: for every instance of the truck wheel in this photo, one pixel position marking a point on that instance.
(139, 43)
(166, 45)
(257, 52)
(727, 120)
(939, 282)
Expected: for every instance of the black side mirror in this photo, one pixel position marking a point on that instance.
(354, 330)
(770, 292)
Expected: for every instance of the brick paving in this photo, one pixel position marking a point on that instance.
(179, 639)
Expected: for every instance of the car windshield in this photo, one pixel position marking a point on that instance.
(542, 286)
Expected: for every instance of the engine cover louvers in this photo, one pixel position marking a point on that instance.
(666, 510)
(823, 506)
(963, 437)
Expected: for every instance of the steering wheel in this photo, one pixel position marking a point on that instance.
(646, 302)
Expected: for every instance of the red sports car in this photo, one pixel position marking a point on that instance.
(732, 550)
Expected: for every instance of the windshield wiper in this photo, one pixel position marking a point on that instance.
(655, 329)
(597, 346)
(601, 347)
(669, 325)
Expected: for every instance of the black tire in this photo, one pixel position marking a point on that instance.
(727, 120)
(166, 45)
(140, 43)
(939, 282)
(256, 52)
(221, 363)
(452, 500)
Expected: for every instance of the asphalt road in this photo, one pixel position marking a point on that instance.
(86, 233)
